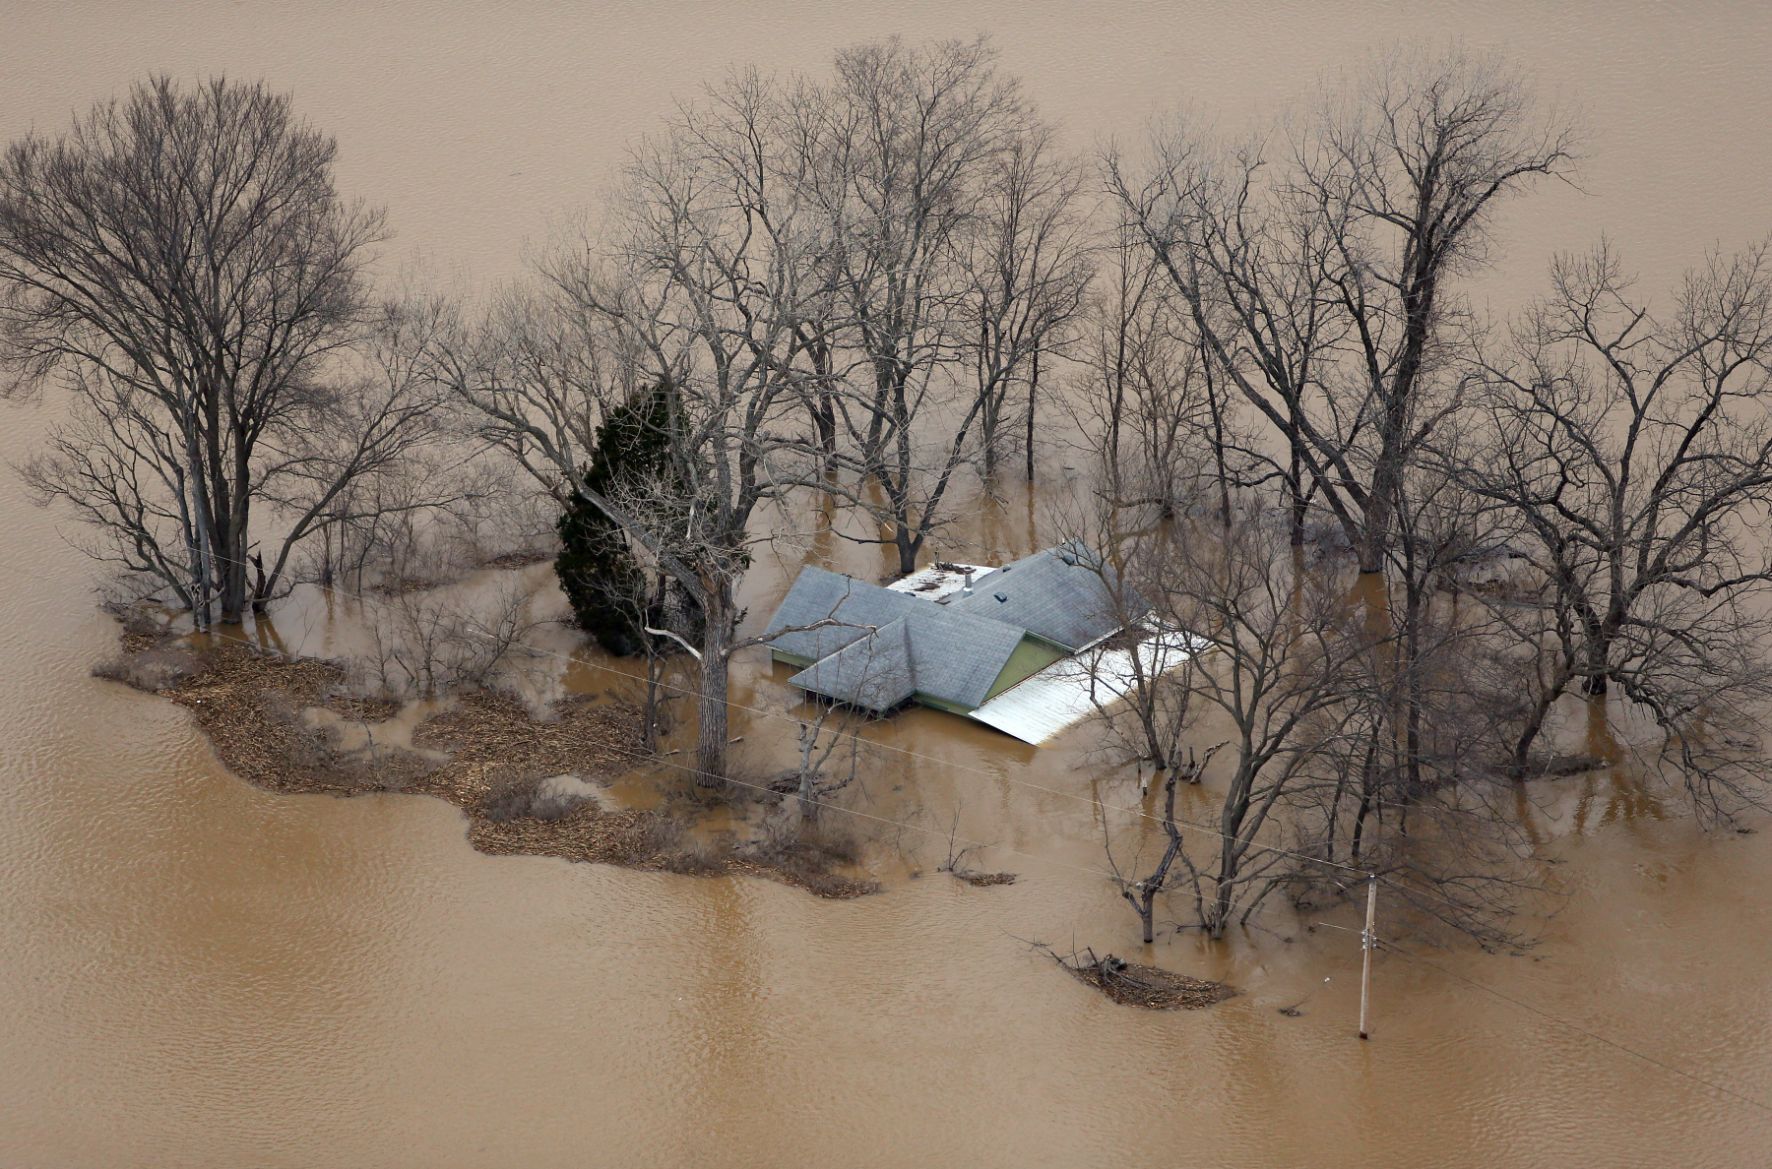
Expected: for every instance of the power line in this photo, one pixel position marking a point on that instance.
(1377, 941)
(957, 766)
(660, 761)
(1503, 996)
(644, 757)
(657, 760)
(1112, 877)
(1580, 1030)
(907, 752)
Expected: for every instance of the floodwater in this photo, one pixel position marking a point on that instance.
(198, 973)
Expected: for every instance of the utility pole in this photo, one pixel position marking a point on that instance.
(1368, 942)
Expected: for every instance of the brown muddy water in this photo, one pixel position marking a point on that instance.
(197, 973)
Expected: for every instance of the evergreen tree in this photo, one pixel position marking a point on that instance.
(598, 572)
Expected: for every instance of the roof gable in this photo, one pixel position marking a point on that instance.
(1063, 595)
(946, 656)
(851, 607)
(874, 647)
(875, 671)
(958, 656)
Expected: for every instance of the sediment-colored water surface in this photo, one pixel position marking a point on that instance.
(199, 973)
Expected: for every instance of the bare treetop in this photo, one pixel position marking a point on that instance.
(183, 255)
(1324, 288)
(1424, 143)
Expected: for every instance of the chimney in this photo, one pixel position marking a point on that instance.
(966, 586)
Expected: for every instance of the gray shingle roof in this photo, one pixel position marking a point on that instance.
(1061, 595)
(885, 646)
(820, 595)
(873, 672)
(947, 656)
(958, 656)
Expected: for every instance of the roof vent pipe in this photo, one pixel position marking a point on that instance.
(966, 585)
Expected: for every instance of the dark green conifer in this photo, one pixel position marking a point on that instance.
(607, 589)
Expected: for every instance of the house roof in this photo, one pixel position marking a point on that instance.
(950, 657)
(958, 657)
(1064, 595)
(1071, 689)
(874, 672)
(854, 607)
(883, 646)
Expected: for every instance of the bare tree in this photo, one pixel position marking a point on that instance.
(425, 643)
(1146, 403)
(1139, 680)
(182, 260)
(1326, 290)
(710, 266)
(1631, 456)
(952, 259)
(830, 754)
(370, 444)
(1028, 267)
(1283, 673)
(537, 373)
(1142, 893)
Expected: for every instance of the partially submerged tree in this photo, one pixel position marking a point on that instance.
(711, 261)
(1325, 288)
(538, 375)
(1630, 455)
(370, 451)
(1141, 893)
(951, 251)
(1140, 680)
(182, 264)
(1149, 407)
(1282, 671)
(425, 643)
(1028, 268)
(610, 592)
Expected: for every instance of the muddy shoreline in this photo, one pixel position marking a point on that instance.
(527, 786)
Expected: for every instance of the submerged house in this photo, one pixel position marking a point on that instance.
(878, 648)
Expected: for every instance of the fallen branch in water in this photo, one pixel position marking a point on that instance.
(1136, 985)
(956, 865)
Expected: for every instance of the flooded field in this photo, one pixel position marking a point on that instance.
(200, 973)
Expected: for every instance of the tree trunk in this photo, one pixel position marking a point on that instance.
(1375, 536)
(234, 578)
(1413, 602)
(1143, 896)
(1221, 908)
(825, 418)
(1220, 914)
(654, 667)
(711, 735)
(235, 527)
(1599, 660)
(1365, 809)
(1219, 467)
(1295, 489)
(1529, 733)
(204, 554)
(655, 662)
(907, 545)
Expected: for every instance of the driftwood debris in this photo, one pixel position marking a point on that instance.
(1136, 985)
(956, 866)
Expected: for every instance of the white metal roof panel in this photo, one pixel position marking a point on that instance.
(1053, 700)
